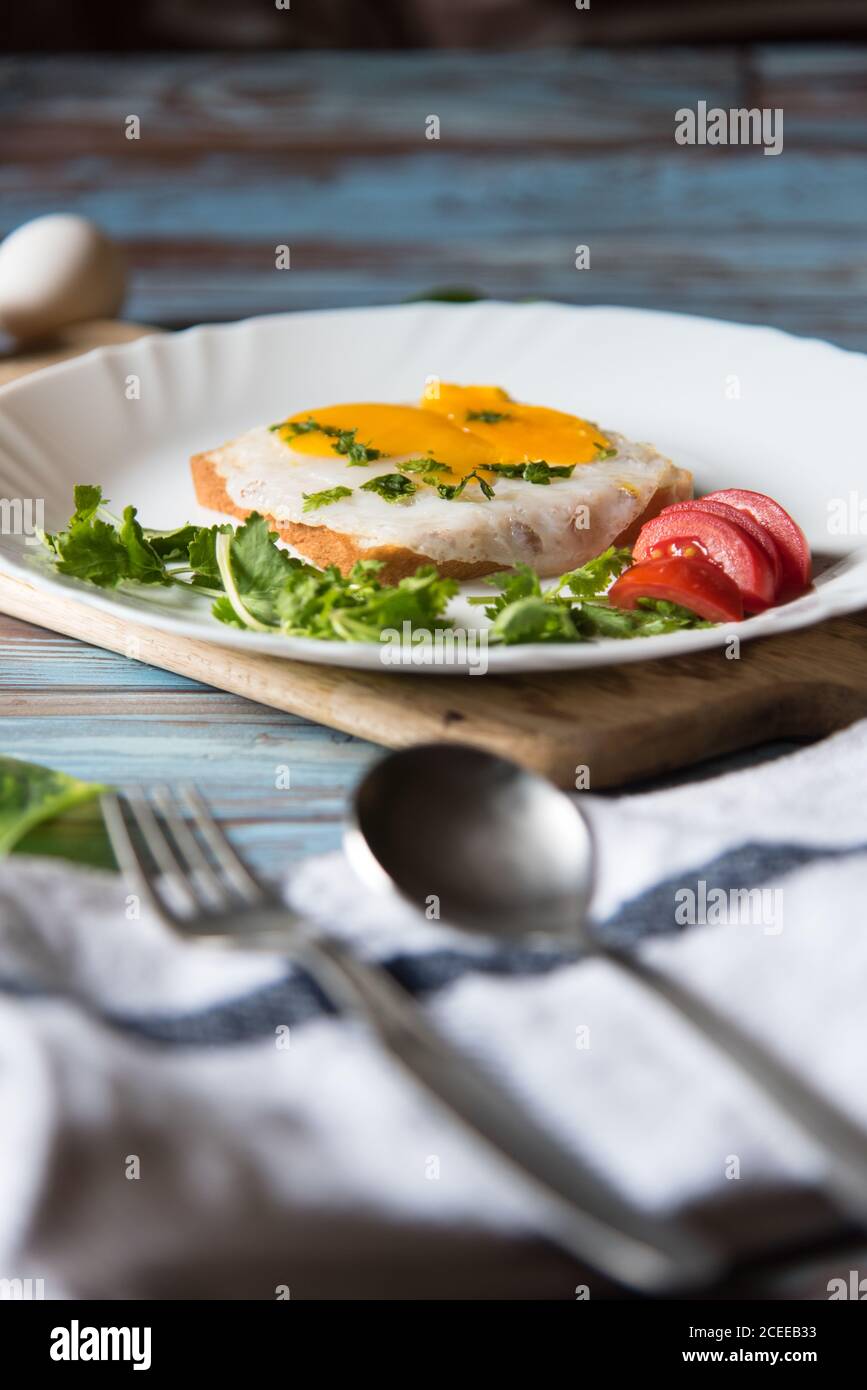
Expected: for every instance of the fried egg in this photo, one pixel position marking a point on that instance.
(479, 482)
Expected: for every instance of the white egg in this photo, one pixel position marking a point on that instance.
(58, 270)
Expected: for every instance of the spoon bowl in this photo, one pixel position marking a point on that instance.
(475, 841)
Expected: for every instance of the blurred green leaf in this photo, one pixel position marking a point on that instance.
(31, 795)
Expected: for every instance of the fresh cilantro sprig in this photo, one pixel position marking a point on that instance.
(575, 609)
(596, 577)
(103, 549)
(256, 584)
(358, 608)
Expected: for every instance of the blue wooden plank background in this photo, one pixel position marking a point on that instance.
(537, 153)
(327, 153)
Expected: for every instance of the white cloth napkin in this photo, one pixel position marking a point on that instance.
(163, 1135)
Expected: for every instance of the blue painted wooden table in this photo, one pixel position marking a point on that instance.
(327, 153)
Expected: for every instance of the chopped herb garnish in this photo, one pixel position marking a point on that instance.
(345, 441)
(314, 500)
(541, 472)
(488, 417)
(391, 487)
(357, 455)
(450, 491)
(423, 466)
(605, 451)
(429, 469)
(308, 426)
(538, 471)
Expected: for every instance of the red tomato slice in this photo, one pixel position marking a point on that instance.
(797, 565)
(743, 519)
(692, 532)
(699, 585)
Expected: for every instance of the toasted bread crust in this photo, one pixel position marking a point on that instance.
(323, 547)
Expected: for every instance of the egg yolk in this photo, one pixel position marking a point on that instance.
(462, 427)
(518, 433)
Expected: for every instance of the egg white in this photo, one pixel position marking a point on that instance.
(553, 527)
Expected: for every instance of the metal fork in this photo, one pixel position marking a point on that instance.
(173, 851)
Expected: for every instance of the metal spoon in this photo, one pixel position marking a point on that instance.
(508, 855)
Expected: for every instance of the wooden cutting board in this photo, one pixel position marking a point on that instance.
(603, 727)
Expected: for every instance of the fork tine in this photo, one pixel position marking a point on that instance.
(197, 865)
(241, 877)
(130, 859)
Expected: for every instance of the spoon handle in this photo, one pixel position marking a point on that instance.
(590, 1219)
(823, 1124)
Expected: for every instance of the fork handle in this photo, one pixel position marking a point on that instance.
(590, 1219)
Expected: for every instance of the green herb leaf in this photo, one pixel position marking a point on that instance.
(533, 619)
(542, 472)
(259, 568)
(203, 554)
(653, 618)
(103, 552)
(537, 471)
(605, 452)
(314, 500)
(308, 426)
(357, 455)
(144, 564)
(92, 550)
(451, 491)
(172, 545)
(522, 582)
(223, 611)
(597, 576)
(488, 417)
(30, 794)
(87, 499)
(425, 466)
(391, 487)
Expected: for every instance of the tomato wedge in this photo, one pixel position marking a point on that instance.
(691, 532)
(796, 563)
(747, 523)
(699, 585)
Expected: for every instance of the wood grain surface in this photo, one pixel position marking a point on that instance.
(326, 152)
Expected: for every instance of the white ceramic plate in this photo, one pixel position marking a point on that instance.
(740, 406)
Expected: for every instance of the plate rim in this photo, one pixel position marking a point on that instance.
(158, 334)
